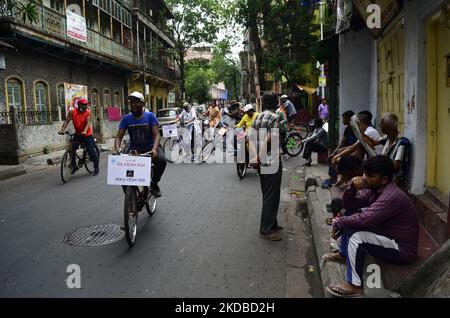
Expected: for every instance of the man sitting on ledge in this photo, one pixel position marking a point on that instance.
(387, 228)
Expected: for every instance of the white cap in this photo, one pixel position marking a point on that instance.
(284, 97)
(248, 107)
(137, 95)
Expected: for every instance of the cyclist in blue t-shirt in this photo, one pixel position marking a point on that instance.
(144, 137)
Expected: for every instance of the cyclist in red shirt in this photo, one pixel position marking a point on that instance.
(82, 122)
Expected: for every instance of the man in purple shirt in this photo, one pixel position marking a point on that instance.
(323, 110)
(386, 225)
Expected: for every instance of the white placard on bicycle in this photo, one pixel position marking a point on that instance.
(129, 170)
(170, 131)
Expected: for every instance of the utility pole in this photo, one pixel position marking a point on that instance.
(322, 66)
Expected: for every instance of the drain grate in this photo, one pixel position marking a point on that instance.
(95, 235)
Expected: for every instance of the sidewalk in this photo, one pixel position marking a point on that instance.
(41, 162)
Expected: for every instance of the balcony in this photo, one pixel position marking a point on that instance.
(53, 23)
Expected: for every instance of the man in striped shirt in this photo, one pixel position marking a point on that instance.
(386, 226)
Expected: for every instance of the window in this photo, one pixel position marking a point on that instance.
(15, 94)
(57, 5)
(94, 97)
(40, 90)
(117, 101)
(61, 101)
(106, 98)
(40, 93)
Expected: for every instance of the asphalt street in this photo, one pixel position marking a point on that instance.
(202, 241)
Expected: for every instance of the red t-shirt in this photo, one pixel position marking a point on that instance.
(80, 120)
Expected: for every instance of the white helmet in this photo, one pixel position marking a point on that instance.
(248, 107)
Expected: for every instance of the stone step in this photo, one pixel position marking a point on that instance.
(433, 217)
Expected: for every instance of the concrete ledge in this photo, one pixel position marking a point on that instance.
(330, 273)
(7, 172)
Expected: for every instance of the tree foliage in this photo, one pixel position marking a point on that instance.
(198, 83)
(196, 21)
(287, 30)
(226, 68)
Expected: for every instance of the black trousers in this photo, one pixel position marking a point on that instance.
(271, 191)
(310, 147)
(159, 163)
(90, 148)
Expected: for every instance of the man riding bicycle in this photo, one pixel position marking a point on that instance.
(82, 122)
(144, 137)
(288, 108)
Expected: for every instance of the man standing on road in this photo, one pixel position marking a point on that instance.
(144, 137)
(270, 182)
(82, 122)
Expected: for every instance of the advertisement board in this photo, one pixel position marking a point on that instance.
(76, 26)
(72, 92)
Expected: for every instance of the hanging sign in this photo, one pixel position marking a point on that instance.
(322, 81)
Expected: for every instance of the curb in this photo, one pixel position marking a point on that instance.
(298, 237)
(12, 171)
(40, 162)
(330, 273)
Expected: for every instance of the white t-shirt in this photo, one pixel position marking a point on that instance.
(375, 135)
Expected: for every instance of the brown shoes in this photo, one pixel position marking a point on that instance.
(271, 237)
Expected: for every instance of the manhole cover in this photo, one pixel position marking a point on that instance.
(95, 235)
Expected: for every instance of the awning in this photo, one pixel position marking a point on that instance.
(7, 45)
(309, 90)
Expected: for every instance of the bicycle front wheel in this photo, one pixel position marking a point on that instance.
(207, 151)
(150, 206)
(172, 150)
(66, 167)
(294, 146)
(130, 215)
(89, 163)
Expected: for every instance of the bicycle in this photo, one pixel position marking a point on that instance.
(136, 197)
(83, 160)
(209, 146)
(291, 142)
(241, 167)
(173, 148)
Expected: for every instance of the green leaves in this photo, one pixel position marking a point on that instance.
(198, 83)
(26, 11)
(196, 21)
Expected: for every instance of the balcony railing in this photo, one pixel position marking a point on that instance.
(29, 117)
(53, 23)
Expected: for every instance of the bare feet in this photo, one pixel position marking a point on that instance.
(333, 257)
(345, 289)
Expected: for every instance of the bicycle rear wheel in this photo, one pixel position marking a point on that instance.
(241, 170)
(66, 167)
(89, 164)
(303, 130)
(130, 215)
(172, 150)
(294, 146)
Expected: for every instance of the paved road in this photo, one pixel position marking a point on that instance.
(202, 242)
